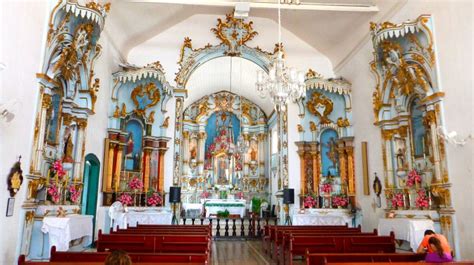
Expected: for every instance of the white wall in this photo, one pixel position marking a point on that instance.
(453, 37)
(22, 28)
(97, 125)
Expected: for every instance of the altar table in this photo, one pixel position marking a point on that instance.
(233, 206)
(323, 217)
(411, 230)
(63, 230)
(148, 217)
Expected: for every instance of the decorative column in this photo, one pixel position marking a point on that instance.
(78, 156)
(261, 154)
(301, 154)
(350, 170)
(110, 167)
(161, 169)
(387, 157)
(201, 152)
(342, 162)
(185, 154)
(146, 170)
(40, 131)
(315, 154)
(118, 167)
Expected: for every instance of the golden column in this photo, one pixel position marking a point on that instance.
(316, 166)
(161, 170)
(301, 153)
(343, 161)
(118, 167)
(110, 166)
(350, 170)
(146, 170)
(40, 132)
(430, 120)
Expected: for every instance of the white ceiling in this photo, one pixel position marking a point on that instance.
(331, 30)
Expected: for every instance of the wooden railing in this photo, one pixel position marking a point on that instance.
(247, 227)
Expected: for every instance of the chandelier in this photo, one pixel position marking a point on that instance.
(282, 83)
(242, 146)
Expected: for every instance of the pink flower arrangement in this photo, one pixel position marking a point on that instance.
(309, 202)
(212, 148)
(413, 178)
(136, 184)
(340, 200)
(205, 195)
(154, 200)
(421, 200)
(74, 194)
(53, 191)
(326, 188)
(239, 195)
(125, 199)
(238, 166)
(58, 169)
(397, 200)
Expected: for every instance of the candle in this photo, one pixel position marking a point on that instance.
(47, 177)
(56, 178)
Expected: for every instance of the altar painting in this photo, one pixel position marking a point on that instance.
(418, 131)
(53, 123)
(133, 148)
(329, 155)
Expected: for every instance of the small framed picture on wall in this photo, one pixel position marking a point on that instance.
(10, 206)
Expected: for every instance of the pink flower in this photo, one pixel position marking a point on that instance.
(326, 188)
(340, 200)
(125, 199)
(413, 178)
(136, 184)
(397, 200)
(74, 194)
(53, 191)
(154, 200)
(421, 200)
(205, 195)
(309, 202)
(58, 169)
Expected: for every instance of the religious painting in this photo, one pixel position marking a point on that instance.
(68, 144)
(418, 129)
(53, 121)
(329, 154)
(133, 147)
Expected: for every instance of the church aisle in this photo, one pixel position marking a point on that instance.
(241, 252)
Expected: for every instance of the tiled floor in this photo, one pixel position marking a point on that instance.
(240, 253)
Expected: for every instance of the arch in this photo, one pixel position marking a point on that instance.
(91, 186)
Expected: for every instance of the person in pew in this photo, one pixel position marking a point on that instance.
(425, 246)
(439, 254)
(118, 257)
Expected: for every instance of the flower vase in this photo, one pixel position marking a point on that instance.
(135, 199)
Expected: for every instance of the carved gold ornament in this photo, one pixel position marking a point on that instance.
(117, 112)
(300, 128)
(166, 122)
(123, 112)
(150, 92)
(320, 102)
(312, 126)
(343, 122)
(234, 33)
(313, 74)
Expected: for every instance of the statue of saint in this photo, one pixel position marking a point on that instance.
(400, 158)
(332, 152)
(193, 153)
(129, 145)
(253, 154)
(68, 146)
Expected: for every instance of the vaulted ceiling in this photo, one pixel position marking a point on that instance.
(333, 27)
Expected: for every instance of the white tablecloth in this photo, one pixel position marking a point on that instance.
(233, 206)
(63, 230)
(327, 217)
(411, 230)
(147, 217)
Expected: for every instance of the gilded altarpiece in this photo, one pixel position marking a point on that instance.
(325, 145)
(407, 104)
(233, 34)
(137, 142)
(68, 94)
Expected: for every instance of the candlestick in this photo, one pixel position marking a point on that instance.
(56, 178)
(47, 177)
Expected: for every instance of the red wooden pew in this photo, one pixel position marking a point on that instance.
(324, 258)
(299, 245)
(404, 263)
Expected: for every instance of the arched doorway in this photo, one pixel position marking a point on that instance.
(91, 187)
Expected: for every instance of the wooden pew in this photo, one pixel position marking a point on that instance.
(283, 247)
(404, 263)
(299, 245)
(63, 256)
(154, 243)
(268, 240)
(278, 233)
(324, 258)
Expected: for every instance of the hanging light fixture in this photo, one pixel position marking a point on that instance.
(282, 83)
(231, 147)
(242, 146)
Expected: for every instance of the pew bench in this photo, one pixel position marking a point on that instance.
(324, 258)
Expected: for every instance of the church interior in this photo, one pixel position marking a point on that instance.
(226, 131)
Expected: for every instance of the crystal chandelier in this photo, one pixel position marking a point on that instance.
(282, 83)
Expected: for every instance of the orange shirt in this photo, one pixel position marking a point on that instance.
(442, 239)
